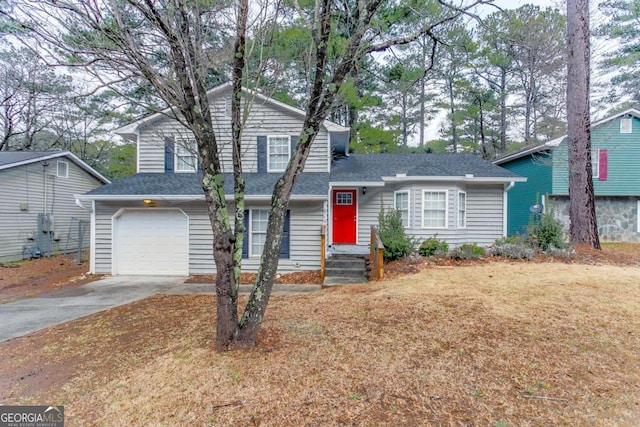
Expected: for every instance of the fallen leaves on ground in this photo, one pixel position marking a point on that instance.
(497, 343)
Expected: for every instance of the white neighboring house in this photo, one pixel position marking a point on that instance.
(156, 222)
(38, 211)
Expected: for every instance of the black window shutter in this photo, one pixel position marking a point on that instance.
(169, 146)
(245, 242)
(284, 247)
(262, 153)
(294, 141)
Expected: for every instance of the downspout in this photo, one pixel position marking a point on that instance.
(505, 199)
(92, 239)
(44, 169)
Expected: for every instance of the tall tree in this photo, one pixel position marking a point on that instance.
(31, 95)
(623, 28)
(170, 46)
(582, 214)
(494, 65)
(454, 52)
(538, 47)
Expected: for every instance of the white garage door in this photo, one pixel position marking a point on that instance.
(151, 242)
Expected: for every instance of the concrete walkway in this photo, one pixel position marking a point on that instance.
(22, 317)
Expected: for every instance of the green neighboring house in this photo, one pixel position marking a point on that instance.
(615, 156)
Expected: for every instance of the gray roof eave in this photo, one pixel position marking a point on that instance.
(188, 197)
(473, 179)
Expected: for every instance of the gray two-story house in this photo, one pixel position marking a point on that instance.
(156, 222)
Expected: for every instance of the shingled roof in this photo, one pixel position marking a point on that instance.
(188, 184)
(373, 167)
(11, 159)
(356, 168)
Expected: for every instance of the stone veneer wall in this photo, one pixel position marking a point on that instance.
(617, 217)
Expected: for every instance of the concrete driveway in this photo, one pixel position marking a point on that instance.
(22, 317)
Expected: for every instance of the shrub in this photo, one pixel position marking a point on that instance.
(547, 233)
(394, 238)
(513, 251)
(432, 246)
(566, 252)
(467, 251)
(514, 247)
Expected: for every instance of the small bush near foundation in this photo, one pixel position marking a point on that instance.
(397, 243)
(547, 233)
(513, 247)
(433, 246)
(467, 251)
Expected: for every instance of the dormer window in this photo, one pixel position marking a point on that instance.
(278, 152)
(186, 157)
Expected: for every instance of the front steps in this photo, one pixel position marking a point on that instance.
(342, 269)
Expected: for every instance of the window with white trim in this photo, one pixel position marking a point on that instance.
(344, 198)
(595, 163)
(434, 209)
(626, 125)
(186, 157)
(258, 230)
(402, 206)
(278, 152)
(462, 209)
(62, 169)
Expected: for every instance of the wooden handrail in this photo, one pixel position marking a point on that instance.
(377, 255)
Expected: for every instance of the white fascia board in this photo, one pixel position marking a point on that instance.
(536, 149)
(187, 197)
(75, 159)
(477, 180)
(555, 142)
(356, 184)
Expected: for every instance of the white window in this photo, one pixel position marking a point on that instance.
(62, 170)
(258, 231)
(278, 152)
(434, 209)
(186, 157)
(626, 125)
(344, 199)
(595, 163)
(462, 209)
(402, 206)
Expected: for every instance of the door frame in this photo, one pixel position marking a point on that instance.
(355, 193)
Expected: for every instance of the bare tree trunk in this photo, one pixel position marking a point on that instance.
(452, 111)
(503, 110)
(583, 228)
(423, 65)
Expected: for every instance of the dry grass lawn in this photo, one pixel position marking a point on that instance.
(498, 344)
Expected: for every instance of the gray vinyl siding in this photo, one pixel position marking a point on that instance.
(306, 220)
(264, 119)
(484, 212)
(25, 185)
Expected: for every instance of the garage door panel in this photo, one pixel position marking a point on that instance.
(152, 242)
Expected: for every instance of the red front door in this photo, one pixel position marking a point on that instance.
(344, 216)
